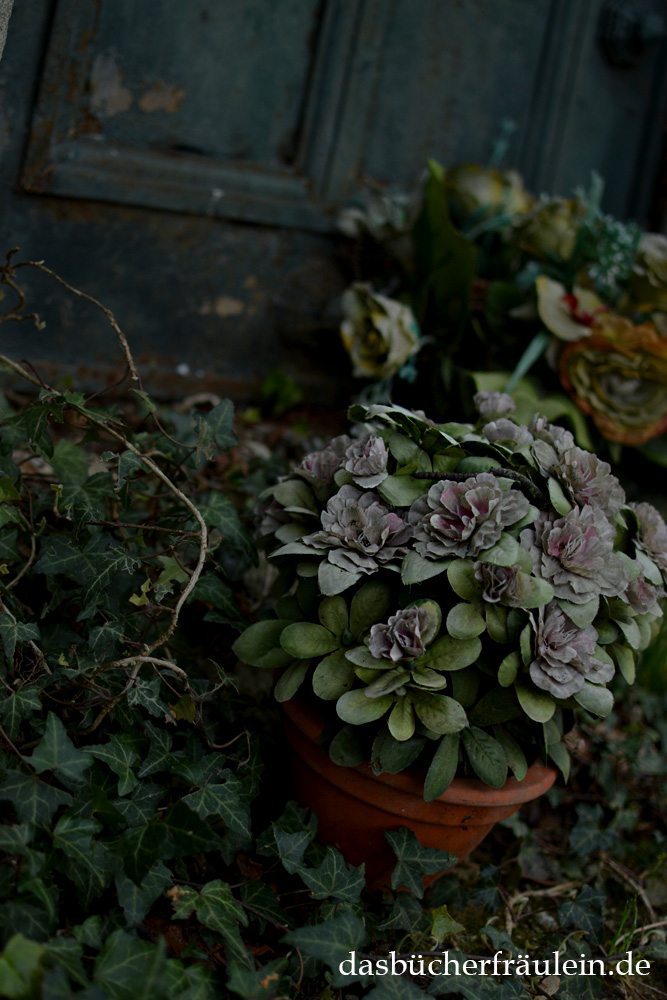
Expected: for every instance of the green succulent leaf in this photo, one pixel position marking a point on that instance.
(417, 569)
(369, 605)
(387, 682)
(625, 660)
(391, 755)
(461, 576)
(496, 617)
(595, 699)
(361, 656)
(540, 593)
(296, 495)
(354, 707)
(560, 502)
(333, 615)
(486, 756)
(401, 491)
(401, 721)
(495, 707)
(426, 678)
(509, 669)
(291, 680)
(347, 749)
(581, 615)
(448, 653)
(538, 705)
(514, 755)
(438, 712)
(304, 640)
(442, 768)
(505, 552)
(334, 580)
(259, 645)
(333, 676)
(465, 622)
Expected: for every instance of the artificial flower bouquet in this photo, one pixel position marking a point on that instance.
(452, 592)
(477, 273)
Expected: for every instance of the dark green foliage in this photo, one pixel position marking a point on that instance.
(144, 855)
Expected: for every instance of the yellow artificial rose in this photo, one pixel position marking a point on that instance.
(549, 232)
(479, 190)
(379, 334)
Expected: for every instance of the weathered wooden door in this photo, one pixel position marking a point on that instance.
(184, 162)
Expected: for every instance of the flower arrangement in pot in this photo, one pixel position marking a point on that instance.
(453, 594)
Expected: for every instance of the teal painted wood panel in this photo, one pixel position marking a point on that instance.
(147, 208)
(447, 76)
(223, 79)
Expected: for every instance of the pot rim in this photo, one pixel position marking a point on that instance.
(464, 791)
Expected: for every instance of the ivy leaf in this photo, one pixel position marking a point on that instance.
(35, 801)
(221, 421)
(217, 909)
(259, 897)
(586, 836)
(139, 808)
(333, 878)
(415, 861)
(136, 900)
(228, 801)
(70, 463)
(443, 924)
(56, 752)
(147, 694)
(395, 988)
(256, 984)
(86, 502)
(12, 632)
(130, 969)
(213, 590)
(332, 942)
(189, 834)
(584, 912)
(142, 845)
(21, 965)
(221, 513)
(93, 862)
(128, 464)
(104, 639)
(159, 756)
(120, 756)
(9, 549)
(291, 847)
(67, 954)
(406, 914)
(17, 706)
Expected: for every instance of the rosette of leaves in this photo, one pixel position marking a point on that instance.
(503, 582)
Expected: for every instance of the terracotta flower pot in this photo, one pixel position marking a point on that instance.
(355, 807)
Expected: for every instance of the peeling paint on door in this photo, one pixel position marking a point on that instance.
(162, 97)
(108, 94)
